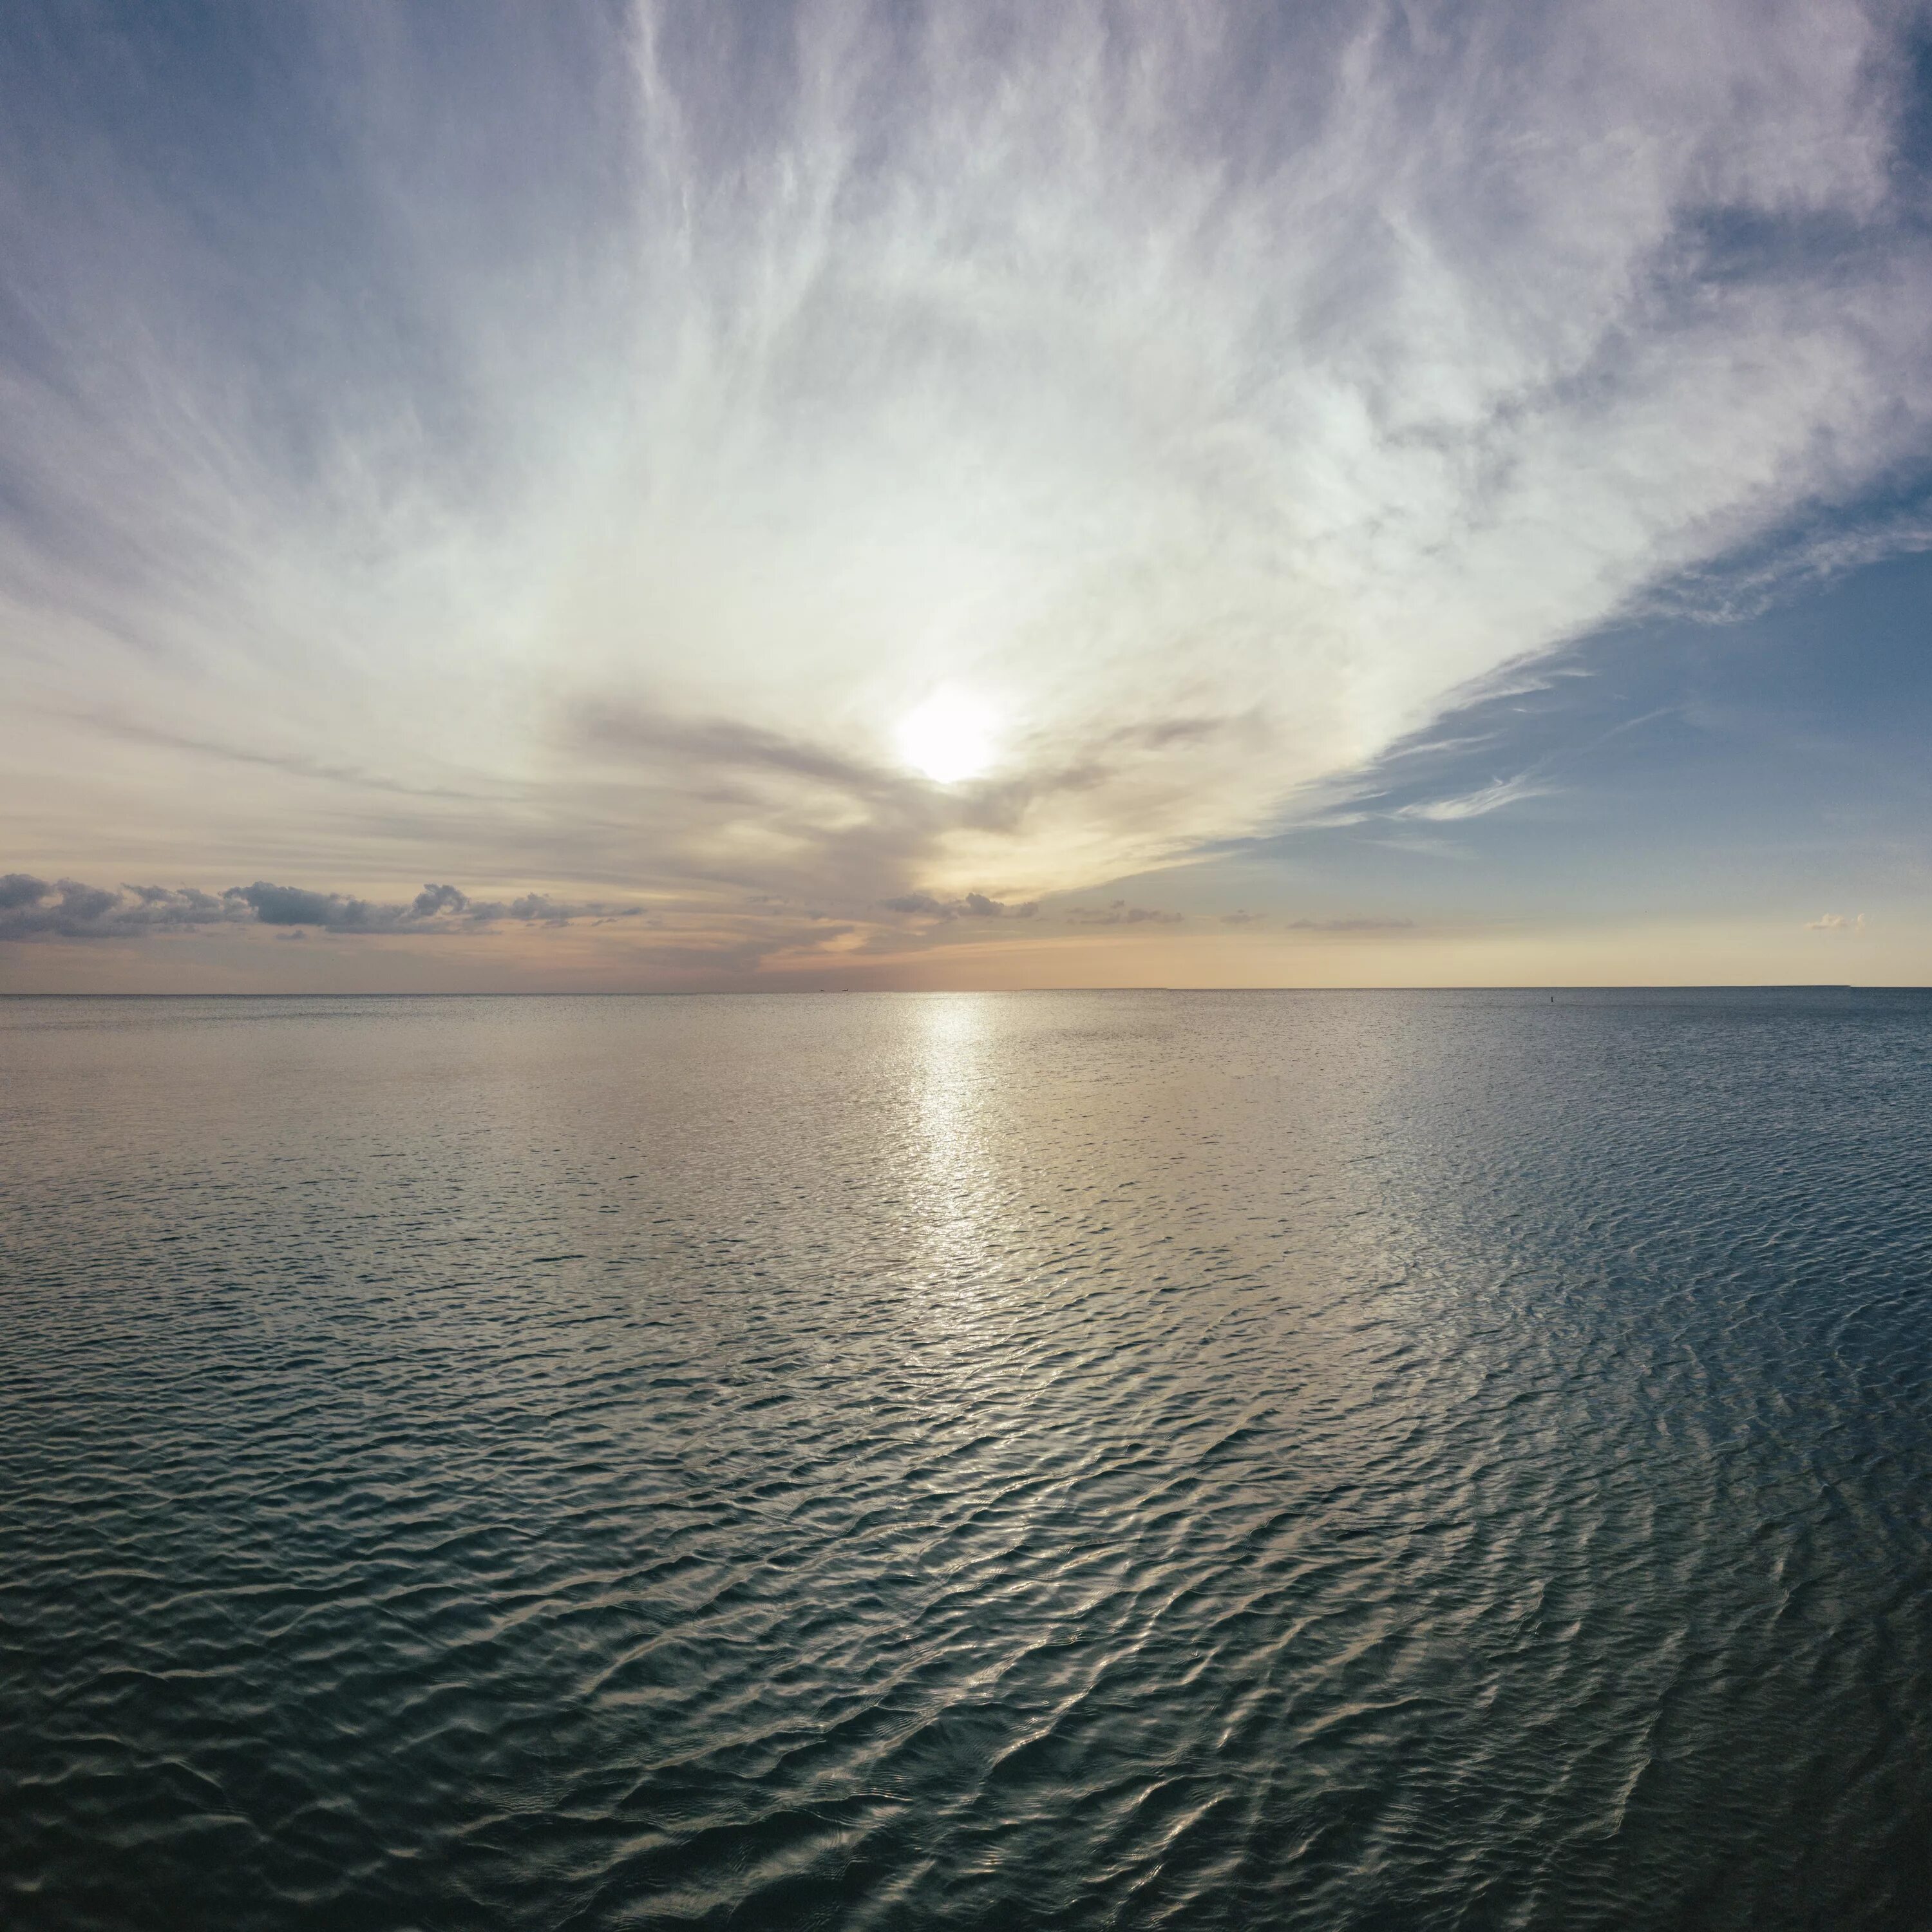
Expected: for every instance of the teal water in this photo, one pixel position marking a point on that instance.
(1400, 1460)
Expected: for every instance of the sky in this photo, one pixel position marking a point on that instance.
(716, 496)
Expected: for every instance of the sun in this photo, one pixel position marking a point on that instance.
(949, 738)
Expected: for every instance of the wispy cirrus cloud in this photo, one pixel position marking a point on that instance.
(584, 435)
(1494, 797)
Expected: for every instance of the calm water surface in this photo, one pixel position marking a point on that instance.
(1401, 1460)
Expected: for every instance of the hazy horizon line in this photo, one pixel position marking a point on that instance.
(922, 992)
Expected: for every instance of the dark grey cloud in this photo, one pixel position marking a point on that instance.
(853, 834)
(721, 744)
(36, 908)
(290, 905)
(973, 905)
(436, 908)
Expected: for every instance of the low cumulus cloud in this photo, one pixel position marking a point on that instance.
(436, 908)
(1242, 918)
(36, 908)
(1836, 922)
(973, 905)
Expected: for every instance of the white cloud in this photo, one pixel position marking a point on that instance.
(1833, 922)
(1477, 804)
(1212, 394)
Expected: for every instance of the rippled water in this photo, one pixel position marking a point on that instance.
(1328, 1460)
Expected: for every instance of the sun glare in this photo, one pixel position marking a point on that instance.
(948, 738)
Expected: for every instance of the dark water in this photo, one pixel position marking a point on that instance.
(1339, 1461)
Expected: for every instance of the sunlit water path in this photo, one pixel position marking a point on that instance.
(1341, 1461)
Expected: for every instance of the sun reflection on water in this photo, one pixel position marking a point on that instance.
(950, 1127)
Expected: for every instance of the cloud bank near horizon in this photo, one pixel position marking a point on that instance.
(34, 908)
(566, 445)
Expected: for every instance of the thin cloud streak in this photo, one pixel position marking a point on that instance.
(1117, 912)
(1478, 804)
(1361, 925)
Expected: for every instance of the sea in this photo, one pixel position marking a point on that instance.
(1339, 1460)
